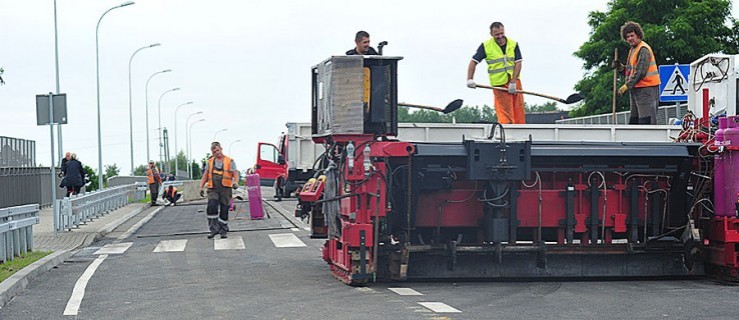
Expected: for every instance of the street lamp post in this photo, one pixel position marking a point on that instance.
(187, 140)
(161, 145)
(130, 104)
(189, 143)
(230, 144)
(147, 111)
(176, 162)
(215, 134)
(97, 72)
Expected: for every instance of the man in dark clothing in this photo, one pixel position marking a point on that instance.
(362, 41)
(75, 175)
(171, 195)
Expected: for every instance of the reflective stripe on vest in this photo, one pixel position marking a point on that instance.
(651, 78)
(225, 172)
(500, 65)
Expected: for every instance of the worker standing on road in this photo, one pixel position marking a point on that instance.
(220, 175)
(154, 180)
(362, 42)
(642, 76)
(503, 57)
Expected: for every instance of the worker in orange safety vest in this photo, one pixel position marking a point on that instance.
(154, 180)
(220, 176)
(642, 76)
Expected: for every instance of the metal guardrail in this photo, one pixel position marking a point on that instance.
(664, 114)
(78, 209)
(16, 230)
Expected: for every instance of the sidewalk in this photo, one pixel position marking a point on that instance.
(63, 245)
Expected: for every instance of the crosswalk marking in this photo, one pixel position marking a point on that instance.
(439, 307)
(295, 229)
(286, 240)
(114, 248)
(406, 291)
(171, 246)
(233, 243)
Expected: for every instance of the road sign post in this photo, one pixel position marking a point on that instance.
(45, 108)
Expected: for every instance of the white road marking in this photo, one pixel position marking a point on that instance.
(366, 290)
(306, 228)
(295, 229)
(114, 248)
(406, 291)
(286, 240)
(171, 245)
(138, 225)
(233, 243)
(439, 307)
(73, 305)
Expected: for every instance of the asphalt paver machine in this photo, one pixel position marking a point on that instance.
(487, 207)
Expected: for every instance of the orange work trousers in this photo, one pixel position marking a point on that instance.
(509, 107)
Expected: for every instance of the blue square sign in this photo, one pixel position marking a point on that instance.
(674, 82)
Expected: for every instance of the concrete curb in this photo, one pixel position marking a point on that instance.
(18, 281)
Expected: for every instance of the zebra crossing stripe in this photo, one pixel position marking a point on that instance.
(439, 307)
(233, 243)
(405, 291)
(286, 240)
(171, 246)
(114, 248)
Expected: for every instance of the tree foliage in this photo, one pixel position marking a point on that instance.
(91, 179)
(111, 171)
(466, 114)
(679, 31)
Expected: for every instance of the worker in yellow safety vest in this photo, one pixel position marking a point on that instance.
(154, 180)
(642, 76)
(503, 57)
(220, 176)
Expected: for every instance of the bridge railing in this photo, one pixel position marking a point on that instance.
(16, 230)
(79, 209)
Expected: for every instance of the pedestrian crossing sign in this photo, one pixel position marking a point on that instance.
(674, 82)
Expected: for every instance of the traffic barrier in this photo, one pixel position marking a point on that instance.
(16, 230)
(78, 209)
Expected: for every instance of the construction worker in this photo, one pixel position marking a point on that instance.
(154, 180)
(362, 42)
(642, 76)
(171, 195)
(503, 57)
(220, 175)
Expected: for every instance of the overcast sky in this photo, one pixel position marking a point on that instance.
(246, 64)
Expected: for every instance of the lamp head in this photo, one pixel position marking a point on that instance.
(155, 45)
(127, 3)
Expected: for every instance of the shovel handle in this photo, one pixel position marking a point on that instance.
(420, 106)
(522, 91)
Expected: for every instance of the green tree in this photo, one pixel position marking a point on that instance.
(466, 114)
(140, 170)
(181, 162)
(1, 76)
(546, 107)
(91, 179)
(111, 171)
(679, 31)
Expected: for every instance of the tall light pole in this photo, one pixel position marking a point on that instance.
(215, 134)
(187, 140)
(147, 111)
(160, 125)
(176, 162)
(130, 104)
(56, 63)
(97, 71)
(189, 143)
(230, 144)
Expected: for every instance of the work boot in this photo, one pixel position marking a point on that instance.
(634, 120)
(224, 236)
(645, 120)
(210, 236)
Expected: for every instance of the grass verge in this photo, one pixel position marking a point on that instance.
(8, 268)
(146, 199)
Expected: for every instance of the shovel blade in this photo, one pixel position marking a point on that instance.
(575, 97)
(453, 106)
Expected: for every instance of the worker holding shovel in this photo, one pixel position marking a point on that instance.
(503, 57)
(642, 76)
